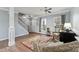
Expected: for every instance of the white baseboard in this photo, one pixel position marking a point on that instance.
(16, 36)
(3, 39)
(21, 35)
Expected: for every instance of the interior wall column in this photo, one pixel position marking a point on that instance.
(11, 41)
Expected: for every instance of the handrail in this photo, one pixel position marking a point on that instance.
(22, 23)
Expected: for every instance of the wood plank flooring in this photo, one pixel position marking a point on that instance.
(20, 47)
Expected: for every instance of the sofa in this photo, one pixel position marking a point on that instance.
(67, 37)
(66, 47)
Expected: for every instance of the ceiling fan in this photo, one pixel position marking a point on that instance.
(47, 10)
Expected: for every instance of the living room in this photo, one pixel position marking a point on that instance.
(39, 29)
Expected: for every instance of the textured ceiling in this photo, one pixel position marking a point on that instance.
(38, 11)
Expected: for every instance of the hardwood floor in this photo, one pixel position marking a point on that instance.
(20, 47)
(3, 44)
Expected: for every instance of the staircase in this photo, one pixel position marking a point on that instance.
(28, 23)
(23, 22)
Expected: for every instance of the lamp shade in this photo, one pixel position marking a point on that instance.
(67, 25)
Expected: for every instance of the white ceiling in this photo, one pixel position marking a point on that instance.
(38, 11)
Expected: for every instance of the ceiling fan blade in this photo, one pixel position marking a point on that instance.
(49, 11)
(45, 7)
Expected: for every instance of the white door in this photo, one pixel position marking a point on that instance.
(43, 26)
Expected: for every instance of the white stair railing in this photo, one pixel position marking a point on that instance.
(23, 23)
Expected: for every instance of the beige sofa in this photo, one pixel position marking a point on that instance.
(66, 47)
